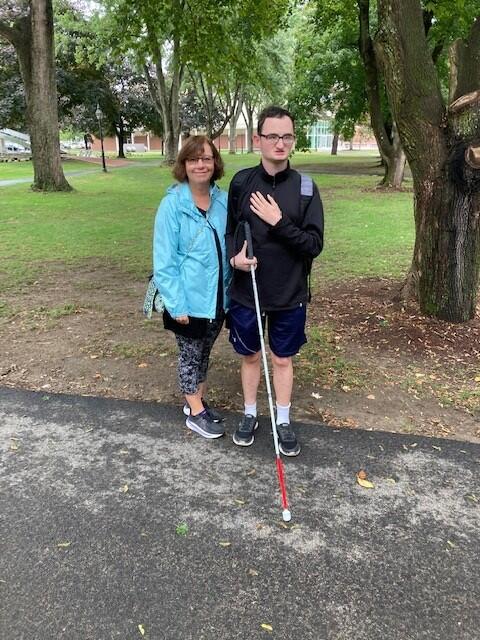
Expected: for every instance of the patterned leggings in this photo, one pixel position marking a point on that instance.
(193, 357)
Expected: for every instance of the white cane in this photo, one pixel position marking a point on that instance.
(286, 515)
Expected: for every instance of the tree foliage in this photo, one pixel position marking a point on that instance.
(208, 36)
(329, 75)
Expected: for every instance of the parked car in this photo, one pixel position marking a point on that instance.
(133, 148)
(13, 146)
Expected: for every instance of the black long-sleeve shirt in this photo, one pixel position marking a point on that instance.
(284, 251)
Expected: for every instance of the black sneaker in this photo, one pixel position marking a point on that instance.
(213, 414)
(204, 426)
(243, 436)
(287, 441)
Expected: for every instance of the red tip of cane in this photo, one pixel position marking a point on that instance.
(281, 481)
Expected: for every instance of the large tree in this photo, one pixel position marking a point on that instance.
(169, 34)
(88, 74)
(350, 25)
(441, 137)
(28, 26)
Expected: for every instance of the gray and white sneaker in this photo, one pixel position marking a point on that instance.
(213, 414)
(287, 440)
(202, 425)
(243, 436)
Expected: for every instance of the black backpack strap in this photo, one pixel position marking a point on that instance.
(237, 186)
(306, 195)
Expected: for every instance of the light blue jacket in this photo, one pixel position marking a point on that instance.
(185, 262)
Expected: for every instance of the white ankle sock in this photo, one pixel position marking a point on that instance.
(251, 409)
(283, 414)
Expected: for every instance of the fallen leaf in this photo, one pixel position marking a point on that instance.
(371, 396)
(141, 628)
(252, 472)
(267, 627)
(317, 396)
(63, 545)
(362, 474)
(224, 543)
(450, 544)
(345, 388)
(366, 484)
(239, 502)
(124, 489)
(93, 357)
(391, 480)
(477, 378)
(436, 448)
(142, 365)
(252, 572)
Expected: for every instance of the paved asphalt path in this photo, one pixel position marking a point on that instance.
(95, 495)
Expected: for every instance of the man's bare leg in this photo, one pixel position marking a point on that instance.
(282, 379)
(250, 375)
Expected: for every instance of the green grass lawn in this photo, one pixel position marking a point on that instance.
(110, 217)
(24, 169)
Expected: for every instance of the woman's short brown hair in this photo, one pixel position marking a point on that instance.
(193, 148)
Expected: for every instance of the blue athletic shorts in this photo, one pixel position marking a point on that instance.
(286, 330)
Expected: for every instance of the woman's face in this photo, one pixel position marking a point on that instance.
(199, 169)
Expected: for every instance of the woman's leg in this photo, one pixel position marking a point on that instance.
(213, 330)
(189, 359)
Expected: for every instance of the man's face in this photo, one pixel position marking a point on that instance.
(276, 152)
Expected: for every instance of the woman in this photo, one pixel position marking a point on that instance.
(192, 273)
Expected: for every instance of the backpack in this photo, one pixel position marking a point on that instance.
(306, 194)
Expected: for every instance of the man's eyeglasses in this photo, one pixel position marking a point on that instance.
(273, 138)
(204, 159)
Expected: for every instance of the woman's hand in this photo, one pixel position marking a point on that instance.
(265, 208)
(182, 320)
(240, 261)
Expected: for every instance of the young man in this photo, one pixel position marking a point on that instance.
(285, 214)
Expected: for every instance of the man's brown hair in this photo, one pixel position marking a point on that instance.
(193, 147)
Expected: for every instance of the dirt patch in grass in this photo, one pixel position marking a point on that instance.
(369, 363)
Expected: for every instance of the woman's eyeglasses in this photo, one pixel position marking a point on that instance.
(204, 159)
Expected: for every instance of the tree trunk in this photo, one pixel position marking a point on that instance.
(390, 150)
(249, 121)
(120, 131)
(32, 37)
(334, 144)
(441, 147)
(232, 133)
(447, 243)
(166, 99)
(394, 164)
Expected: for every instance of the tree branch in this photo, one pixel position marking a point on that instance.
(372, 79)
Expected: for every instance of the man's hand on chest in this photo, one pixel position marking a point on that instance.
(265, 208)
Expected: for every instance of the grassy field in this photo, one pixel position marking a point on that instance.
(110, 217)
(24, 169)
